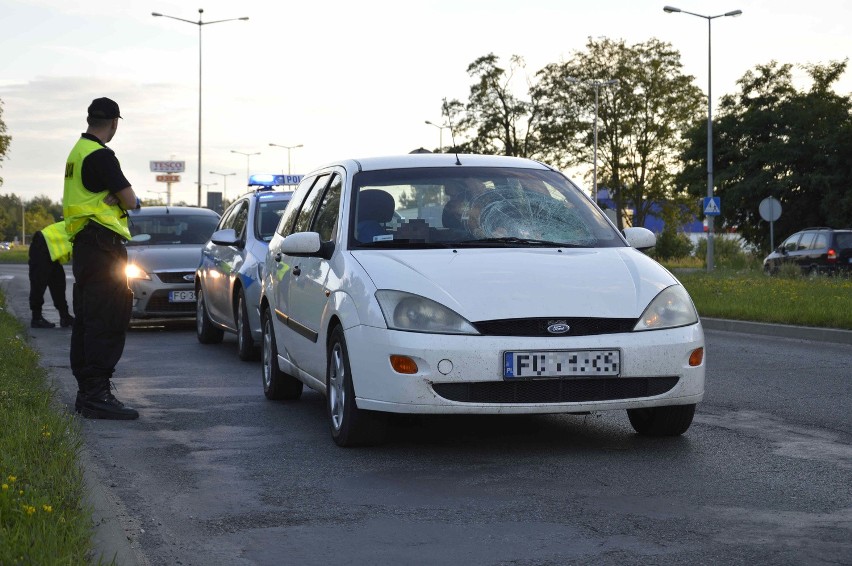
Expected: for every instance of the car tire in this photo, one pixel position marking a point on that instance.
(246, 348)
(672, 420)
(350, 426)
(204, 329)
(277, 385)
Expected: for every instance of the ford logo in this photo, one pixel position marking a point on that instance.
(190, 277)
(558, 327)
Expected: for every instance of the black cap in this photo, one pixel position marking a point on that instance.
(104, 108)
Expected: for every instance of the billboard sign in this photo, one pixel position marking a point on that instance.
(168, 166)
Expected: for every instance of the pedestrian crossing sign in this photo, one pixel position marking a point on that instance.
(712, 206)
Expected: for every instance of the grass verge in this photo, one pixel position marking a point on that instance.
(43, 519)
(824, 302)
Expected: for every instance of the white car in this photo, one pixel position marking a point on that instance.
(443, 283)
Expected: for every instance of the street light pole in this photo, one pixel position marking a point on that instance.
(440, 135)
(289, 148)
(248, 158)
(199, 23)
(597, 86)
(224, 183)
(671, 10)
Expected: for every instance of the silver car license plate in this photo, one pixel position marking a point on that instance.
(181, 296)
(561, 363)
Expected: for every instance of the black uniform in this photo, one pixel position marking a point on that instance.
(46, 274)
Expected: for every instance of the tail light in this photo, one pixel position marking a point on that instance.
(832, 255)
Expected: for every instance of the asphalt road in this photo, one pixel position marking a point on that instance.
(213, 473)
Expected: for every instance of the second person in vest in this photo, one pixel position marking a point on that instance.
(49, 249)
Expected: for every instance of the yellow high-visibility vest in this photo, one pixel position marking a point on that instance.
(80, 205)
(57, 240)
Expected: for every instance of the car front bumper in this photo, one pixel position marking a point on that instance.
(464, 374)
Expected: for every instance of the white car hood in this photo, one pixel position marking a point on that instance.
(490, 284)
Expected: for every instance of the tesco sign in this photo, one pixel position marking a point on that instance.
(168, 166)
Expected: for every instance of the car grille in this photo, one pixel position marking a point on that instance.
(159, 303)
(555, 390)
(579, 326)
(174, 276)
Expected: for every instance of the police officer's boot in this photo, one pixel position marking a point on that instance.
(39, 321)
(96, 401)
(65, 319)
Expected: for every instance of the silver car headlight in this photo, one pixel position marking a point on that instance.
(133, 271)
(413, 313)
(672, 307)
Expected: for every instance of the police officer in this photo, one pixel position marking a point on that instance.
(96, 198)
(49, 249)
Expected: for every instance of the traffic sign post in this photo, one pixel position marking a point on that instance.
(770, 210)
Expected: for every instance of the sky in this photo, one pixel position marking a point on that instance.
(343, 79)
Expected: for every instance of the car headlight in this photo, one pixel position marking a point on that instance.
(671, 308)
(133, 271)
(413, 313)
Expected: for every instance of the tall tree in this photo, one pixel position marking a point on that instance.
(5, 140)
(641, 120)
(495, 119)
(772, 139)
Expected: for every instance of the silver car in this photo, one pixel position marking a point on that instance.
(227, 283)
(162, 257)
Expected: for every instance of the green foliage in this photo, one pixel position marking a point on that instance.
(40, 212)
(5, 139)
(671, 244)
(750, 295)
(728, 253)
(42, 516)
(773, 139)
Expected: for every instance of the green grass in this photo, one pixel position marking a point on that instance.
(785, 299)
(42, 516)
(18, 254)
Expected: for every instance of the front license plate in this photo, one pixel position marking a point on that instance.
(561, 363)
(181, 296)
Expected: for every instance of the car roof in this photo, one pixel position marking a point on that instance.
(413, 160)
(158, 210)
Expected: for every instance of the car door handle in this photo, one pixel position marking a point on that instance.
(278, 257)
(297, 270)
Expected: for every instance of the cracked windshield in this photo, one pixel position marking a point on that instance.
(437, 207)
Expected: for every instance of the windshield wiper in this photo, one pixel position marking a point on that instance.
(406, 243)
(520, 241)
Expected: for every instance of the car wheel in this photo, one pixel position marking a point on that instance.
(246, 349)
(204, 329)
(661, 421)
(276, 384)
(350, 426)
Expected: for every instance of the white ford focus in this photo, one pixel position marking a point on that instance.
(437, 283)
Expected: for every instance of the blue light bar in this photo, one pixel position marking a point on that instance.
(267, 180)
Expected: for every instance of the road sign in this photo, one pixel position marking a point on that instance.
(712, 206)
(168, 178)
(770, 209)
(168, 166)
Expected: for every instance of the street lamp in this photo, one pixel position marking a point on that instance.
(440, 135)
(670, 10)
(199, 23)
(289, 148)
(597, 86)
(248, 158)
(224, 183)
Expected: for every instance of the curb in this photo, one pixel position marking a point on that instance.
(779, 330)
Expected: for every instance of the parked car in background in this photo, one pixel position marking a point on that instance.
(815, 250)
(162, 256)
(444, 283)
(227, 281)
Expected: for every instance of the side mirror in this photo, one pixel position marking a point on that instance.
(640, 238)
(225, 237)
(307, 244)
(139, 238)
